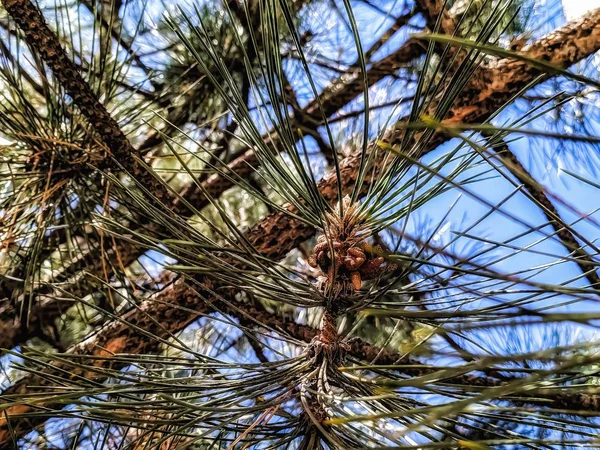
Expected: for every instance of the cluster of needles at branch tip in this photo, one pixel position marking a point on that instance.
(343, 255)
(157, 206)
(345, 259)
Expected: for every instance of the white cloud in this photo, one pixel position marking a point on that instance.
(577, 8)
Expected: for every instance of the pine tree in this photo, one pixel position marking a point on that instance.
(221, 225)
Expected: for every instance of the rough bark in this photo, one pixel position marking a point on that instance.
(39, 37)
(277, 234)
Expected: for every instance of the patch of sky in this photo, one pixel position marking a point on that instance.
(154, 262)
(8, 361)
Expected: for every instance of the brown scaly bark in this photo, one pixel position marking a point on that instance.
(338, 94)
(278, 233)
(37, 34)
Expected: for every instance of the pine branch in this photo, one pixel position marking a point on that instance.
(113, 339)
(507, 83)
(564, 47)
(491, 87)
(334, 97)
(363, 351)
(37, 34)
(339, 93)
(178, 117)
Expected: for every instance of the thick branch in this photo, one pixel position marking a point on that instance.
(31, 22)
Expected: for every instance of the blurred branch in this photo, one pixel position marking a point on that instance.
(395, 26)
(564, 231)
(4, 50)
(431, 10)
(108, 18)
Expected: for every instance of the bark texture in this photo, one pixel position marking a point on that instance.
(39, 37)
